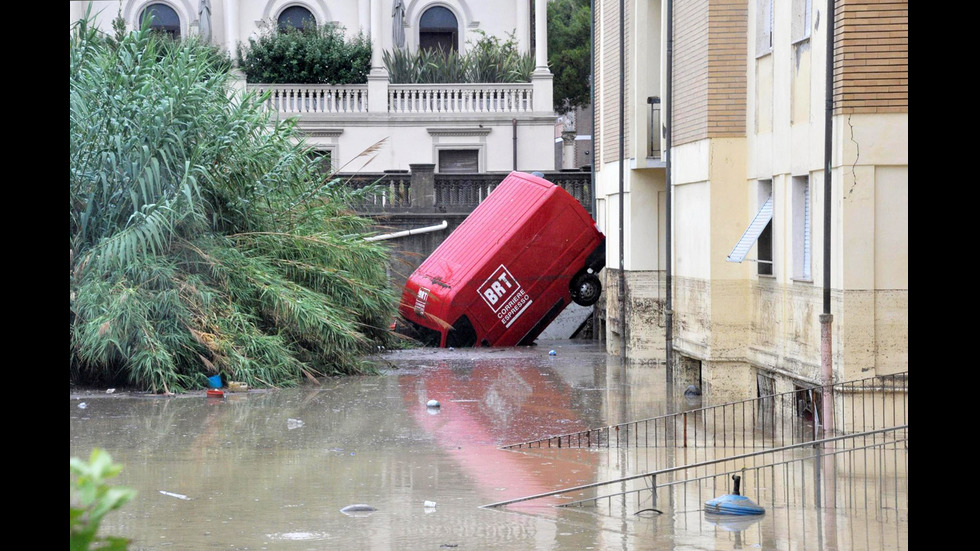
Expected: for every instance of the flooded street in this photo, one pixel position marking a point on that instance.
(272, 470)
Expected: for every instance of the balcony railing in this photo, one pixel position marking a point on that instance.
(423, 191)
(314, 98)
(460, 98)
(653, 148)
(404, 99)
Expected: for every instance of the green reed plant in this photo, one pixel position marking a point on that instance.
(203, 237)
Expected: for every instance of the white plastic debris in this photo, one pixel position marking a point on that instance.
(429, 504)
(83, 405)
(433, 404)
(178, 496)
(110, 390)
(293, 423)
(552, 353)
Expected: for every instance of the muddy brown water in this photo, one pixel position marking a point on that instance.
(273, 469)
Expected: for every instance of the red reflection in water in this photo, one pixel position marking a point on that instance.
(491, 405)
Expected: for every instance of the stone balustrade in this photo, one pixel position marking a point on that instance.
(403, 99)
(314, 98)
(460, 98)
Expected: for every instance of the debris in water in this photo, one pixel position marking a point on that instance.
(433, 404)
(293, 423)
(110, 390)
(83, 405)
(178, 496)
(358, 510)
(429, 504)
(552, 353)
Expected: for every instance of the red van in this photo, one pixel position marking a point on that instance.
(508, 270)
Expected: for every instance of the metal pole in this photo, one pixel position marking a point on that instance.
(668, 146)
(622, 176)
(514, 125)
(595, 317)
(826, 318)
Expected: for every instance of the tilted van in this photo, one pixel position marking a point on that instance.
(508, 270)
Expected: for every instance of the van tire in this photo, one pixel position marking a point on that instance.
(585, 289)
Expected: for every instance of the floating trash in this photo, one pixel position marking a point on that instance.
(293, 424)
(178, 496)
(433, 404)
(83, 405)
(358, 510)
(429, 504)
(552, 353)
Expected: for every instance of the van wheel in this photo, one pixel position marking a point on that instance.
(585, 289)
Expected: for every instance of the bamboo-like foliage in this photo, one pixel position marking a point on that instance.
(203, 238)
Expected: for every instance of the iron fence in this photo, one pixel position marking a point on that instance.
(766, 421)
(863, 470)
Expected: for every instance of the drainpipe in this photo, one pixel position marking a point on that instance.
(405, 233)
(595, 205)
(826, 318)
(668, 148)
(513, 123)
(622, 176)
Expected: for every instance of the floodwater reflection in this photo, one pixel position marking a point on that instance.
(273, 470)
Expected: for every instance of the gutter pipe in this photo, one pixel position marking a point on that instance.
(405, 233)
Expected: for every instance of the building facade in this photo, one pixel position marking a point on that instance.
(747, 201)
(457, 127)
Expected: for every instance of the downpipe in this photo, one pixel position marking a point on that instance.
(406, 233)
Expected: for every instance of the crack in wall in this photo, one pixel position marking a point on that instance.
(856, 157)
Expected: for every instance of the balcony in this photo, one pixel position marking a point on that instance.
(402, 99)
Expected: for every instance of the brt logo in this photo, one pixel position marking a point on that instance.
(498, 288)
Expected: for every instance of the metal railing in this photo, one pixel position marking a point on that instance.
(867, 469)
(653, 149)
(767, 421)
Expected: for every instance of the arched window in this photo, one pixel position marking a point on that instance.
(296, 18)
(438, 28)
(163, 19)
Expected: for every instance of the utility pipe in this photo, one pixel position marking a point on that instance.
(513, 123)
(595, 203)
(405, 233)
(667, 147)
(622, 176)
(826, 318)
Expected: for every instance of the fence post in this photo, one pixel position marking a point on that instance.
(422, 191)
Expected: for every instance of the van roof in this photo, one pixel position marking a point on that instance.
(492, 223)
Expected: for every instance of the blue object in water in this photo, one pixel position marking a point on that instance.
(733, 504)
(214, 381)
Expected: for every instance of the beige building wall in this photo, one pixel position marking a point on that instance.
(869, 218)
(644, 189)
